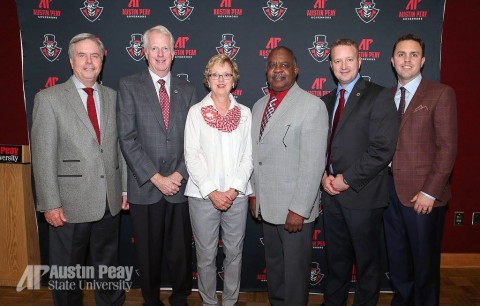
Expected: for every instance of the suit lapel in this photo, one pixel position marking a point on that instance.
(351, 103)
(281, 110)
(104, 106)
(415, 102)
(152, 98)
(257, 117)
(73, 98)
(174, 102)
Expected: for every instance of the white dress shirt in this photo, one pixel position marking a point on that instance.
(217, 160)
(84, 96)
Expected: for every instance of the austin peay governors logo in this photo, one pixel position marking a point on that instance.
(367, 11)
(319, 12)
(271, 44)
(51, 81)
(181, 50)
(316, 275)
(319, 51)
(226, 11)
(411, 12)
(181, 9)
(50, 49)
(274, 10)
(133, 10)
(136, 50)
(317, 89)
(45, 11)
(91, 10)
(365, 51)
(227, 46)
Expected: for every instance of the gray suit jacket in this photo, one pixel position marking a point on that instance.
(289, 160)
(148, 147)
(71, 169)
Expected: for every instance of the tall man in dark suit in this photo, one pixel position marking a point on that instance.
(362, 141)
(288, 149)
(152, 110)
(78, 169)
(419, 178)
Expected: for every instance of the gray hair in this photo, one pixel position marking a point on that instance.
(84, 36)
(160, 29)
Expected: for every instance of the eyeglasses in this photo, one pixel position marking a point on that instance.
(216, 76)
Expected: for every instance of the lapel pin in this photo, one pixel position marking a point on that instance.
(175, 91)
(358, 94)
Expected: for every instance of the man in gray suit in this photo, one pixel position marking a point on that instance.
(289, 133)
(78, 166)
(152, 110)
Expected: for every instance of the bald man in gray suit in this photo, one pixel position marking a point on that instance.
(289, 158)
(78, 167)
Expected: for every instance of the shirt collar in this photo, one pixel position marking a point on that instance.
(155, 78)
(79, 85)
(411, 86)
(349, 86)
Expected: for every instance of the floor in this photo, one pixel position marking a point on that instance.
(459, 286)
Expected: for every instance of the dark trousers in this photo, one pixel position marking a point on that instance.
(163, 228)
(413, 248)
(73, 244)
(352, 236)
(289, 260)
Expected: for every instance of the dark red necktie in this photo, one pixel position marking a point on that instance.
(164, 102)
(401, 106)
(336, 119)
(92, 112)
(268, 113)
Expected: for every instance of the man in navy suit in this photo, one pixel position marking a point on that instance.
(363, 133)
(152, 110)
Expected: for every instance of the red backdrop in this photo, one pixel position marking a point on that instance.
(460, 65)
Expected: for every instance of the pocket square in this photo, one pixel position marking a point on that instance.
(421, 107)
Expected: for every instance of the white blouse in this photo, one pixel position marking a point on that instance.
(217, 160)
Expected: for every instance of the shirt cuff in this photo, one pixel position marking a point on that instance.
(428, 196)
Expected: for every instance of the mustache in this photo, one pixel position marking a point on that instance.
(278, 75)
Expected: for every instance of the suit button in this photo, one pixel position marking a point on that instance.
(260, 163)
(102, 176)
(163, 161)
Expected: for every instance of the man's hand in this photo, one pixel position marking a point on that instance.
(168, 185)
(422, 203)
(125, 204)
(220, 200)
(55, 217)
(176, 177)
(339, 184)
(252, 204)
(327, 183)
(294, 222)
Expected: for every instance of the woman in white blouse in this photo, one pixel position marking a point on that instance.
(218, 154)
